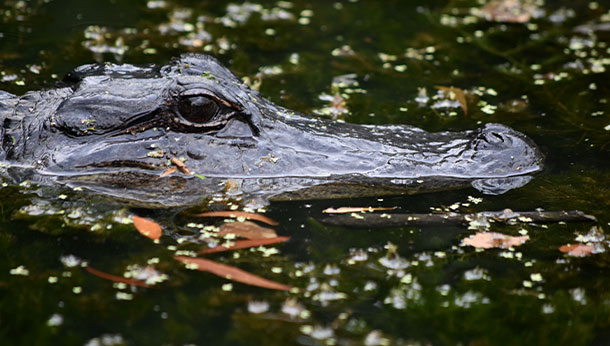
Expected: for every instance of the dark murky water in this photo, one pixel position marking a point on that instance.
(542, 71)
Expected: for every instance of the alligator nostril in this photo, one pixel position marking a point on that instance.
(498, 136)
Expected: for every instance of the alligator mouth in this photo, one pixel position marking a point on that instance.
(124, 164)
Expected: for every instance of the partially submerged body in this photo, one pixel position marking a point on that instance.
(113, 129)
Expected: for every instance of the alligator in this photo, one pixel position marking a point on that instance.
(118, 129)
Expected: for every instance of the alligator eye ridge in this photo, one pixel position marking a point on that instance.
(198, 109)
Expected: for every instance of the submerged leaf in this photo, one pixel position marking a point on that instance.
(244, 244)
(486, 240)
(147, 227)
(577, 250)
(115, 278)
(236, 214)
(231, 273)
(246, 229)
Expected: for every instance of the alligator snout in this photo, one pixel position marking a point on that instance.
(499, 151)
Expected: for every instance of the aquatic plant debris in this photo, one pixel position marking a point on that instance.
(346, 210)
(147, 228)
(115, 278)
(577, 250)
(457, 94)
(487, 240)
(509, 11)
(180, 165)
(368, 220)
(231, 273)
(168, 172)
(238, 214)
(246, 229)
(244, 244)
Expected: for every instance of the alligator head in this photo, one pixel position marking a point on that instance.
(114, 128)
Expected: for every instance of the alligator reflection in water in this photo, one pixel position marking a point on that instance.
(112, 128)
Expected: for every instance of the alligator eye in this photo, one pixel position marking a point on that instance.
(198, 109)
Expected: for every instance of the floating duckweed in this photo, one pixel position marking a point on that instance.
(192, 266)
(267, 252)
(507, 254)
(489, 109)
(306, 329)
(55, 320)
(292, 307)
(523, 231)
(469, 298)
(344, 50)
(307, 13)
(124, 296)
(578, 295)
(387, 57)
(327, 295)
(20, 270)
(331, 269)
(294, 58)
(444, 290)
(370, 286)
(322, 333)
(476, 274)
(70, 261)
(258, 307)
(356, 216)
(548, 309)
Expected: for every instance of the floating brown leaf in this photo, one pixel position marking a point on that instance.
(486, 240)
(345, 210)
(508, 11)
(115, 278)
(236, 214)
(246, 229)
(244, 244)
(168, 172)
(147, 227)
(232, 273)
(459, 96)
(577, 250)
(180, 165)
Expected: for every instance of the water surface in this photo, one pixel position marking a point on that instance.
(542, 71)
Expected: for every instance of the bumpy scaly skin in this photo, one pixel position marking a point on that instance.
(113, 128)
